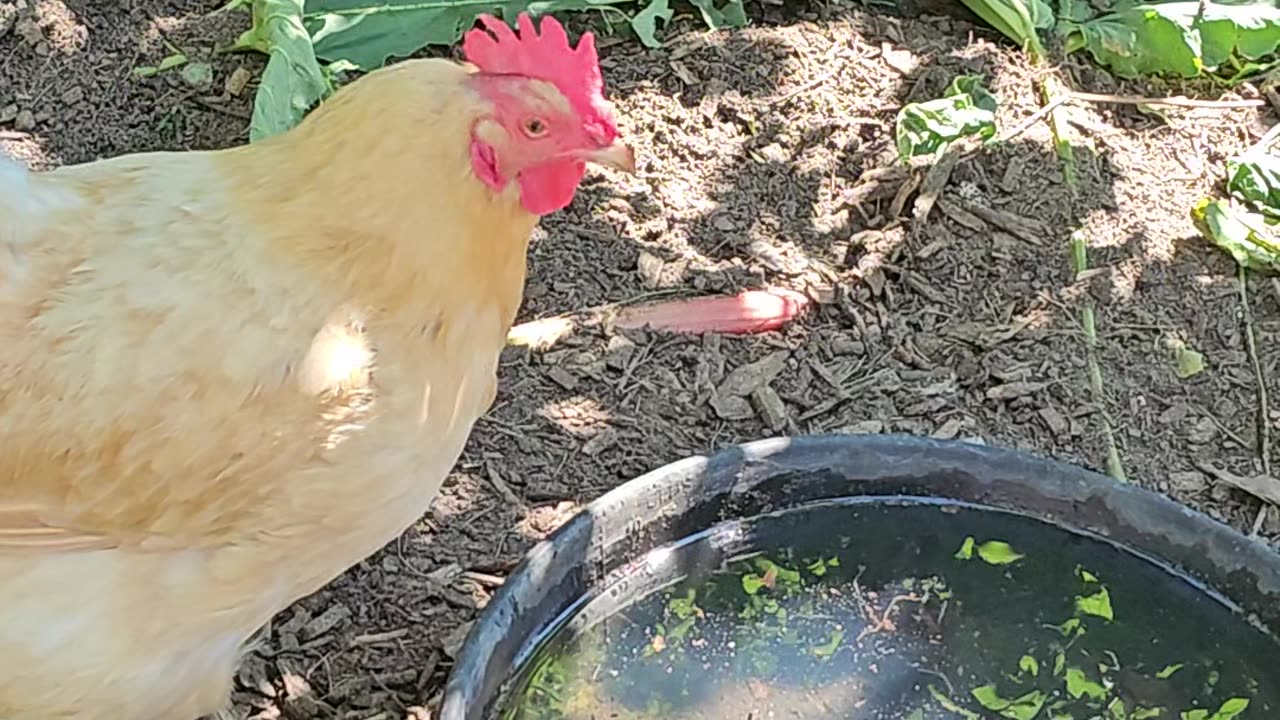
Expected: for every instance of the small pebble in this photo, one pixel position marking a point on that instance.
(25, 121)
(29, 31)
(8, 18)
(237, 81)
(198, 75)
(328, 620)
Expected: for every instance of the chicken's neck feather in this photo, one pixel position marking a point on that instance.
(376, 190)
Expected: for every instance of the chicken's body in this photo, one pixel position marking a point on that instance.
(225, 378)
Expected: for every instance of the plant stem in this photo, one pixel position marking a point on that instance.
(1080, 259)
(1178, 101)
(1263, 421)
(1051, 94)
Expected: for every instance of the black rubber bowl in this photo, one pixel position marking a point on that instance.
(691, 495)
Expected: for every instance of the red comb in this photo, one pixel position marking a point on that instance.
(545, 55)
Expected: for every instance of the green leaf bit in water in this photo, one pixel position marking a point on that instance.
(827, 623)
(996, 552)
(1097, 604)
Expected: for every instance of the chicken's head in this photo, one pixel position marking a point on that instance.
(548, 115)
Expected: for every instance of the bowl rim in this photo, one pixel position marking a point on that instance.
(690, 494)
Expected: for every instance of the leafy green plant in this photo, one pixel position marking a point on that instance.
(1232, 40)
(645, 22)
(1255, 179)
(1247, 222)
(293, 81)
(1019, 20)
(967, 109)
(726, 15)
(367, 33)
(1179, 38)
(1248, 236)
(310, 41)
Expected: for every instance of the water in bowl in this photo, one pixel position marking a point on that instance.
(899, 610)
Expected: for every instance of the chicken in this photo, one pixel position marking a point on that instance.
(226, 377)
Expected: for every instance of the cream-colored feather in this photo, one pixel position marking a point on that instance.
(225, 377)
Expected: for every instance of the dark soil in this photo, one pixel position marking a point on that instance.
(766, 160)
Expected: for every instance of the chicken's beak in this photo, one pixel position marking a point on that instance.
(617, 155)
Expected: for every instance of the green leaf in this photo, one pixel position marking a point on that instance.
(292, 81)
(966, 109)
(1079, 685)
(1190, 362)
(1174, 39)
(1016, 19)
(784, 575)
(966, 549)
(1076, 11)
(684, 607)
(1029, 664)
(645, 22)
(1250, 237)
(680, 631)
(995, 552)
(1168, 671)
(731, 15)
(1230, 709)
(1097, 604)
(168, 63)
(1022, 708)
(1068, 628)
(752, 583)
(1042, 17)
(369, 32)
(989, 698)
(1254, 178)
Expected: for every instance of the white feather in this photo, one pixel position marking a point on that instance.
(14, 186)
(23, 198)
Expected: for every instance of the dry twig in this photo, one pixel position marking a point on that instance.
(1176, 101)
(1263, 446)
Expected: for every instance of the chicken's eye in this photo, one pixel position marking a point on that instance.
(533, 127)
